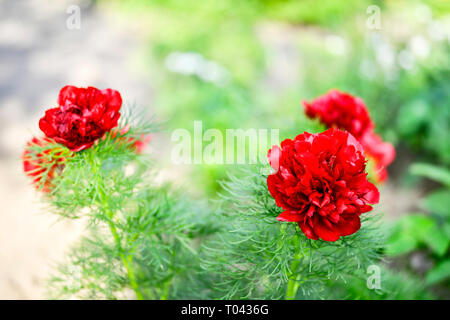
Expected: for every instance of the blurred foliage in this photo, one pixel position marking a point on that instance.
(394, 286)
(276, 53)
(429, 231)
(424, 120)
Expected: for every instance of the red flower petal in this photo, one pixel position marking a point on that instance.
(274, 157)
(308, 231)
(327, 233)
(341, 110)
(289, 216)
(321, 184)
(84, 115)
(68, 94)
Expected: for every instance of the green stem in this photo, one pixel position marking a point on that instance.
(166, 289)
(127, 259)
(294, 277)
(167, 285)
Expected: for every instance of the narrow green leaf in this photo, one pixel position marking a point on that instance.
(439, 202)
(438, 273)
(437, 240)
(432, 172)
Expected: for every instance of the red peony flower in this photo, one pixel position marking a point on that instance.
(83, 116)
(137, 144)
(383, 153)
(321, 183)
(42, 163)
(340, 110)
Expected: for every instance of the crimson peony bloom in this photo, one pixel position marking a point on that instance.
(383, 153)
(42, 166)
(84, 115)
(321, 183)
(341, 110)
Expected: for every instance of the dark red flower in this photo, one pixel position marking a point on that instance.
(42, 162)
(83, 116)
(321, 183)
(340, 110)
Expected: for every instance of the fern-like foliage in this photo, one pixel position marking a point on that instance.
(257, 257)
(141, 240)
(148, 241)
(394, 285)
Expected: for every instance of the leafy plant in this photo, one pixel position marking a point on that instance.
(141, 238)
(424, 120)
(395, 285)
(430, 231)
(257, 257)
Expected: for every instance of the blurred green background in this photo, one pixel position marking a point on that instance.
(239, 64)
(248, 64)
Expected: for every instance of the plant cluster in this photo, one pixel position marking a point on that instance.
(145, 240)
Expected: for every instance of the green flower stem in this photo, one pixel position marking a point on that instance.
(166, 289)
(168, 284)
(294, 276)
(127, 259)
